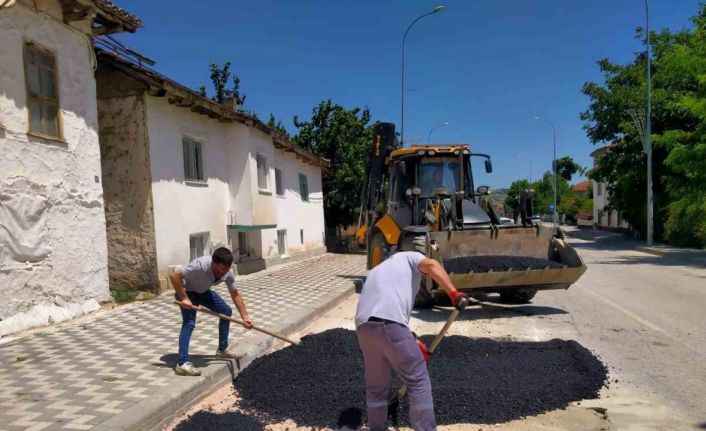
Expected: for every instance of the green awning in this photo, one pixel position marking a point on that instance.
(255, 227)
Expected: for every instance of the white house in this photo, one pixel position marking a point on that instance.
(53, 259)
(183, 175)
(605, 218)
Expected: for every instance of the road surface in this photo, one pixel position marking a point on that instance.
(641, 314)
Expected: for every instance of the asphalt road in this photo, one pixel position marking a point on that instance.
(640, 314)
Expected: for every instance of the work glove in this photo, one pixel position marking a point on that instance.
(426, 354)
(459, 299)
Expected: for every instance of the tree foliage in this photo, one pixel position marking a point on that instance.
(678, 134)
(277, 125)
(342, 136)
(220, 76)
(566, 168)
(569, 202)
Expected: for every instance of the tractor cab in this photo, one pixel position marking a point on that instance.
(433, 185)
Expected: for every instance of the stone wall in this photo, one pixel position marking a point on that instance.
(127, 180)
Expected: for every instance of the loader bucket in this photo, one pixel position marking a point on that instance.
(506, 257)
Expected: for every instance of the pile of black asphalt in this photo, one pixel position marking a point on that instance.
(320, 382)
(466, 264)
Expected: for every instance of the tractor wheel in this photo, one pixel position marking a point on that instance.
(379, 249)
(517, 296)
(424, 298)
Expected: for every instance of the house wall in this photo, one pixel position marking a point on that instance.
(181, 207)
(610, 217)
(263, 209)
(127, 180)
(53, 255)
(294, 214)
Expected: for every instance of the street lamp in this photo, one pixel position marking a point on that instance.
(445, 123)
(648, 134)
(404, 39)
(538, 118)
(530, 165)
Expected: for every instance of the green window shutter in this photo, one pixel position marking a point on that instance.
(303, 187)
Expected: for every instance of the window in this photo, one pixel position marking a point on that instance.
(303, 187)
(599, 189)
(242, 244)
(278, 182)
(301, 235)
(197, 245)
(282, 241)
(42, 92)
(261, 172)
(193, 159)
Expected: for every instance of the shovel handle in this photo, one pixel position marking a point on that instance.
(234, 320)
(434, 344)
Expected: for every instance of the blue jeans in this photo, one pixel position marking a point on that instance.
(212, 301)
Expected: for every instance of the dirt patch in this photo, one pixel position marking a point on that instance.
(474, 380)
(466, 264)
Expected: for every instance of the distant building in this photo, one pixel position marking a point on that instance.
(583, 187)
(184, 175)
(53, 258)
(603, 217)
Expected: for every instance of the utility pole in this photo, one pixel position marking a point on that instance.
(648, 136)
(404, 39)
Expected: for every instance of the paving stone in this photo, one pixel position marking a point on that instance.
(87, 372)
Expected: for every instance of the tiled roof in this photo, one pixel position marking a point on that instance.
(583, 186)
(130, 21)
(183, 96)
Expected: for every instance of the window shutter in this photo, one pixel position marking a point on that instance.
(187, 158)
(303, 187)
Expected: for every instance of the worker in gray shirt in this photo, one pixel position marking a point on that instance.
(193, 287)
(382, 327)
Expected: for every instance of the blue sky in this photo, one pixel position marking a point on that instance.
(485, 66)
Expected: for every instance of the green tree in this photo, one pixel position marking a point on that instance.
(342, 136)
(277, 125)
(678, 127)
(684, 64)
(568, 201)
(513, 195)
(566, 168)
(220, 77)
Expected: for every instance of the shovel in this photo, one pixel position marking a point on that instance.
(394, 401)
(239, 322)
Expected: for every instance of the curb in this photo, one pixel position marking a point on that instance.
(157, 411)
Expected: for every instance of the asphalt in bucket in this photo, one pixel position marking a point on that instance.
(319, 383)
(466, 264)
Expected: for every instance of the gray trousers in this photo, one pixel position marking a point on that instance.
(388, 346)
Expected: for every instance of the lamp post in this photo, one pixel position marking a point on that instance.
(530, 165)
(648, 134)
(404, 39)
(553, 165)
(445, 123)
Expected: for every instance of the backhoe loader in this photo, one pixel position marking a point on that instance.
(423, 198)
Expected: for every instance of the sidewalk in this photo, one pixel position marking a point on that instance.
(114, 371)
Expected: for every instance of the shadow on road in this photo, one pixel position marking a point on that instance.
(474, 381)
(602, 241)
(486, 311)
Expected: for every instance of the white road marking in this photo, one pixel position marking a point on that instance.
(628, 313)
